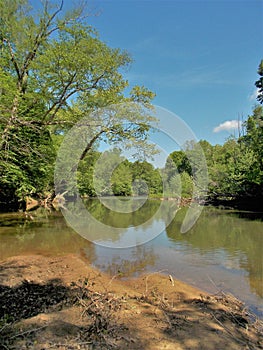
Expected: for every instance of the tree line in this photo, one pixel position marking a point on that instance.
(54, 70)
(235, 169)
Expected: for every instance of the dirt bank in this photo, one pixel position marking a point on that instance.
(64, 303)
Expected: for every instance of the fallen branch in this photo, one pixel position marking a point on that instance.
(171, 279)
(229, 331)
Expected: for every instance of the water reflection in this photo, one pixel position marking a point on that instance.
(130, 218)
(126, 262)
(250, 215)
(235, 243)
(47, 234)
(221, 249)
(100, 225)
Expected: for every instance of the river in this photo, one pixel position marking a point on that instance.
(222, 251)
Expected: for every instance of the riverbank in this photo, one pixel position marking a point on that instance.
(64, 303)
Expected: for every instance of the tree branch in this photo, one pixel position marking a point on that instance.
(63, 97)
(89, 145)
(43, 33)
(13, 60)
(56, 105)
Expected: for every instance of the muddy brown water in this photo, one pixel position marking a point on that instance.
(221, 252)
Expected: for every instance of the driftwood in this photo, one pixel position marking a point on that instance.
(59, 201)
(31, 203)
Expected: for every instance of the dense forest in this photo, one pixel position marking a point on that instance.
(54, 70)
(235, 169)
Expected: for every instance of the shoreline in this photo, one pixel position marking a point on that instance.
(242, 203)
(153, 311)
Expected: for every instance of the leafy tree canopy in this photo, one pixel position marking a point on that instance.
(54, 68)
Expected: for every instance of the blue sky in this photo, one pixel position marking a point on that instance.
(199, 57)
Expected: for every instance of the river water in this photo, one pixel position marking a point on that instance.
(222, 251)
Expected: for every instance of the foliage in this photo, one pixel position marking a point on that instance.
(56, 73)
(110, 173)
(146, 179)
(252, 141)
(85, 174)
(259, 83)
(121, 180)
(181, 162)
(54, 69)
(236, 168)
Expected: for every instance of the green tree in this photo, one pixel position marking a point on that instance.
(48, 61)
(174, 186)
(259, 83)
(146, 179)
(252, 141)
(230, 168)
(85, 174)
(187, 185)
(110, 174)
(121, 181)
(181, 162)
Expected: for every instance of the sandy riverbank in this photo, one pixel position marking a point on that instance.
(64, 303)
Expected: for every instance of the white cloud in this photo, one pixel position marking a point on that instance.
(253, 96)
(227, 126)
